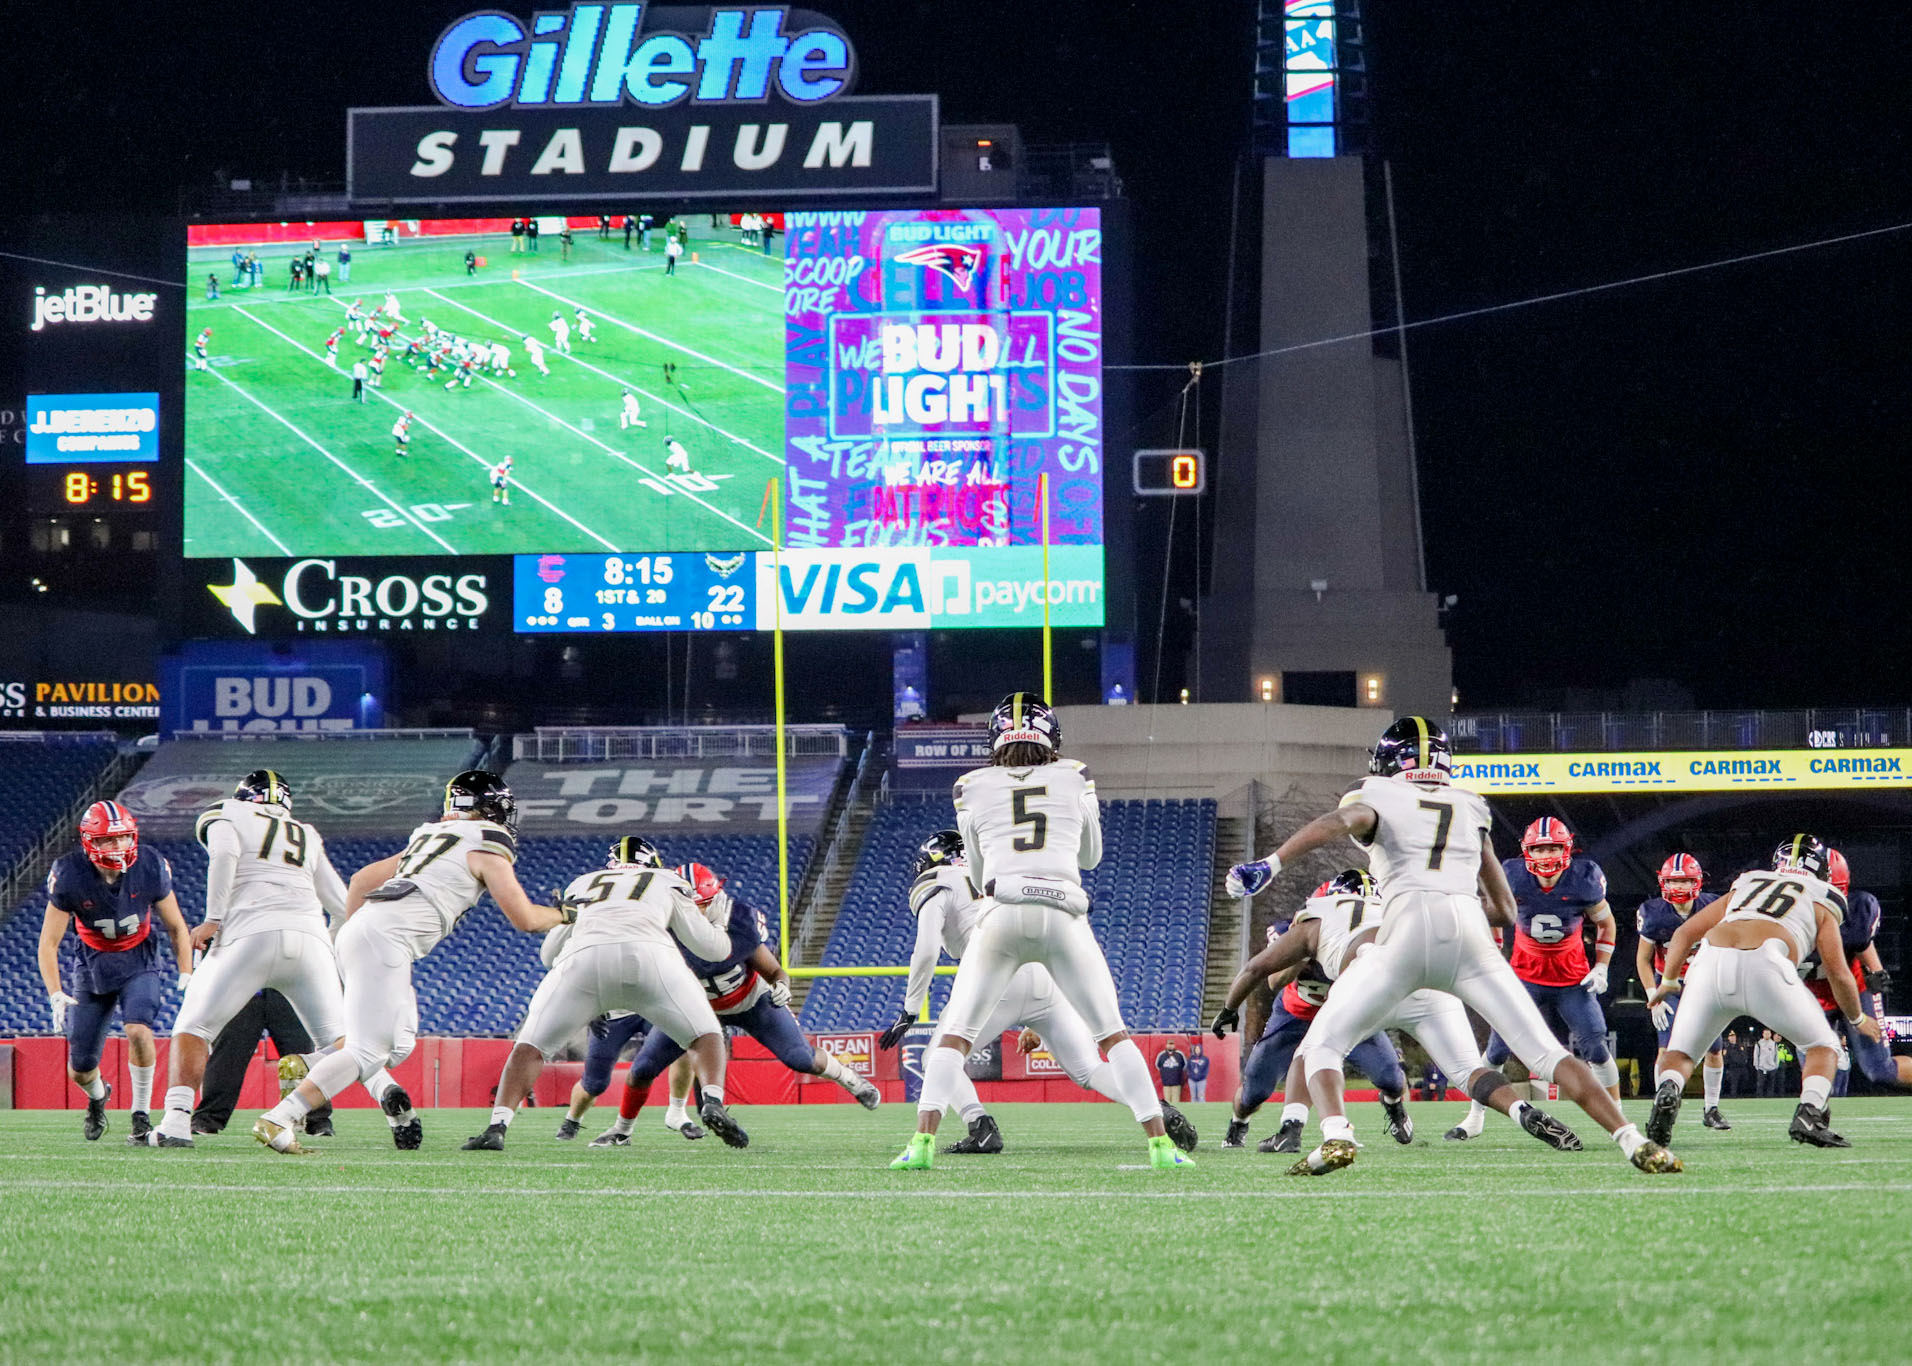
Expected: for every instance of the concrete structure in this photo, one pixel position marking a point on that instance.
(1319, 589)
(1214, 750)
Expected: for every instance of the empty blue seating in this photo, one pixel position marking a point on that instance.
(480, 979)
(39, 780)
(1150, 900)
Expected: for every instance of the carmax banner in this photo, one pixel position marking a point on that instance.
(1705, 771)
(930, 587)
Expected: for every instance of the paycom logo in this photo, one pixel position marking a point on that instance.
(929, 588)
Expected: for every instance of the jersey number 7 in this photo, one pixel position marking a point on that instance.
(1443, 822)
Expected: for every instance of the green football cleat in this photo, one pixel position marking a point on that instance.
(1163, 1154)
(919, 1156)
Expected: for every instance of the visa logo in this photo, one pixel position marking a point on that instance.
(878, 590)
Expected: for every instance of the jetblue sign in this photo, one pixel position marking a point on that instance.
(618, 100)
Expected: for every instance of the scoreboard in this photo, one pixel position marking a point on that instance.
(678, 592)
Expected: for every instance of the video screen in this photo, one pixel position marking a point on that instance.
(483, 386)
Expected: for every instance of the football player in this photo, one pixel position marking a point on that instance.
(399, 909)
(1334, 927)
(1756, 936)
(610, 1034)
(631, 416)
(501, 482)
(948, 908)
(1030, 824)
(108, 893)
(402, 433)
(1554, 894)
(560, 334)
(535, 350)
(1659, 920)
(201, 344)
(621, 955)
(675, 456)
(1429, 849)
(269, 891)
(587, 330)
(332, 348)
(1872, 1057)
(749, 990)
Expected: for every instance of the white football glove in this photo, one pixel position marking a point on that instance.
(1663, 1015)
(1596, 981)
(59, 1003)
(780, 992)
(1246, 879)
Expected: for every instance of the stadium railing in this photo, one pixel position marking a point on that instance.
(840, 849)
(565, 744)
(1566, 732)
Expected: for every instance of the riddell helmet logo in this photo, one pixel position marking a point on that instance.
(90, 304)
(958, 260)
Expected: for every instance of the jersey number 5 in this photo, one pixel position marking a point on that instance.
(1037, 822)
(1443, 822)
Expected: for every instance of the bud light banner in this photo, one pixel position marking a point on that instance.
(938, 363)
(230, 688)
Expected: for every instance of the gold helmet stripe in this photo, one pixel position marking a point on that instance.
(1420, 729)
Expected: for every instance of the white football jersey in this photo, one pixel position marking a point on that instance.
(1427, 838)
(1343, 918)
(638, 905)
(434, 864)
(281, 880)
(963, 905)
(1785, 898)
(1029, 822)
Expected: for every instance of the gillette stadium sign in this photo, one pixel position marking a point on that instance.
(732, 102)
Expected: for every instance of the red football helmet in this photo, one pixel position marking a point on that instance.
(1680, 878)
(704, 884)
(1841, 874)
(1543, 833)
(110, 836)
(1325, 889)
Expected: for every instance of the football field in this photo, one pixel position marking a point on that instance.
(805, 1247)
(281, 461)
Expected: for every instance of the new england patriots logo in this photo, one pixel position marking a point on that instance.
(960, 261)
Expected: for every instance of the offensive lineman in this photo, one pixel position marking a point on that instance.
(1554, 894)
(400, 909)
(1659, 920)
(1030, 824)
(1428, 843)
(631, 416)
(1756, 936)
(621, 956)
(947, 909)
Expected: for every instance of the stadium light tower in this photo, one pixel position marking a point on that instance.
(1316, 471)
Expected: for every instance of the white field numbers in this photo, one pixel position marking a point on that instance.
(391, 519)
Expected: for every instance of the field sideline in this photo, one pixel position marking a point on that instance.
(281, 461)
(805, 1247)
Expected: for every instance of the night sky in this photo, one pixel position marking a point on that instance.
(1696, 480)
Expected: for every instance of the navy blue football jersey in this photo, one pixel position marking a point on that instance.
(730, 981)
(1548, 949)
(1660, 920)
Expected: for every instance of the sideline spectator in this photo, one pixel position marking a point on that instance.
(517, 236)
(1197, 1073)
(1171, 1065)
(345, 264)
(1766, 1062)
(630, 226)
(673, 248)
(324, 278)
(531, 234)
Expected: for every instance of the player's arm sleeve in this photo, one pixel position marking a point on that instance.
(328, 884)
(929, 946)
(693, 931)
(222, 865)
(1090, 853)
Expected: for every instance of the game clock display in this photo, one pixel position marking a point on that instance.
(676, 592)
(53, 489)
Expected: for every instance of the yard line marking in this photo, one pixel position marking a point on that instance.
(760, 284)
(303, 436)
(239, 507)
(676, 346)
(442, 434)
(615, 379)
(1312, 1191)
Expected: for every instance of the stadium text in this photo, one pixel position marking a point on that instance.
(90, 304)
(597, 55)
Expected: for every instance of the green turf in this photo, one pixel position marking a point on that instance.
(807, 1248)
(282, 461)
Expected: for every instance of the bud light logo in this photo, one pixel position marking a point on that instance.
(599, 54)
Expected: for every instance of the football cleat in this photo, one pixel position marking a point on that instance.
(160, 1140)
(1180, 1131)
(278, 1137)
(690, 1129)
(1713, 1119)
(1656, 1160)
(718, 1120)
(206, 1124)
(1400, 1124)
(569, 1129)
(867, 1093)
(1460, 1133)
(142, 1126)
(96, 1116)
(409, 1135)
(984, 1137)
(919, 1155)
(1809, 1126)
(492, 1140)
(1286, 1139)
(320, 1126)
(611, 1138)
(1666, 1110)
(1163, 1155)
(1237, 1132)
(1331, 1156)
(1549, 1130)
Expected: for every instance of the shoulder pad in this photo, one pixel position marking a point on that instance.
(925, 887)
(495, 839)
(1309, 911)
(202, 828)
(1354, 794)
(1837, 900)
(1075, 764)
